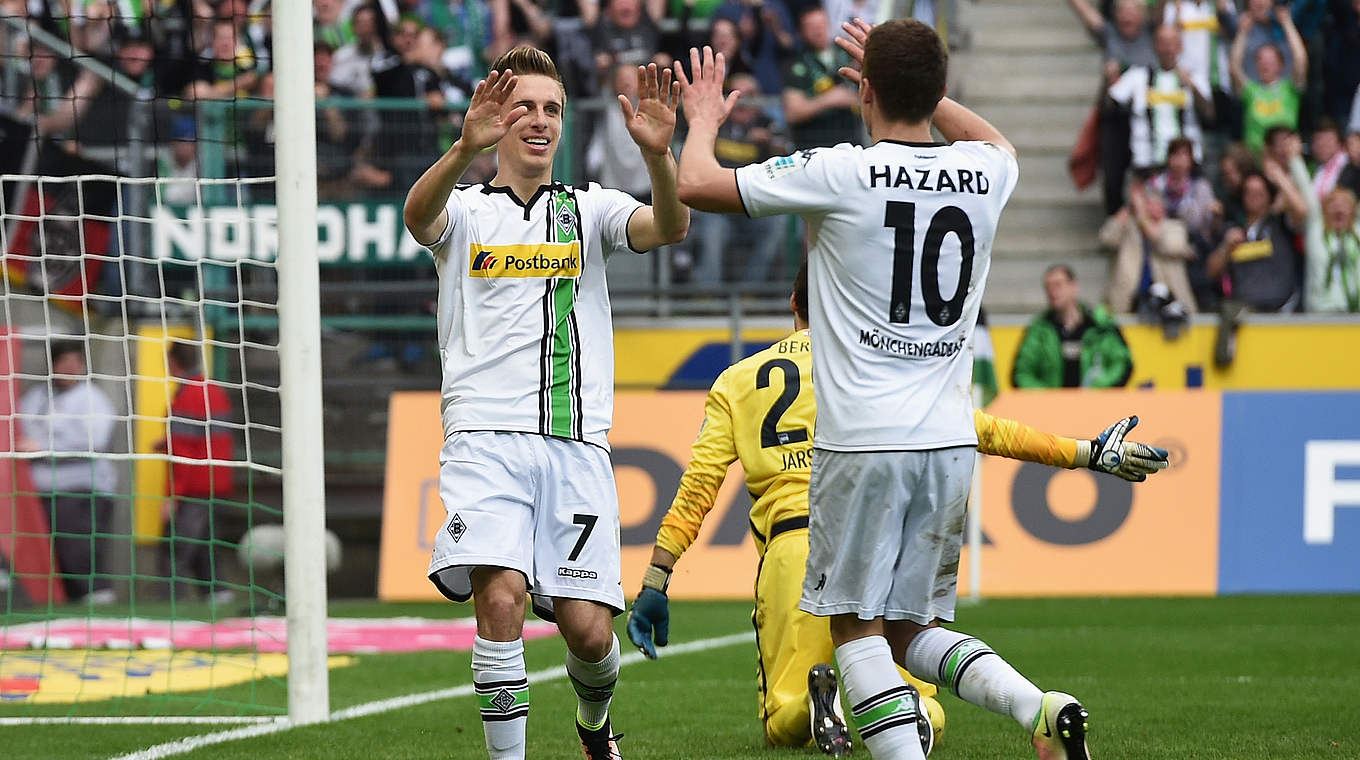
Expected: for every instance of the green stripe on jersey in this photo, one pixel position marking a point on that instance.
(560, 380)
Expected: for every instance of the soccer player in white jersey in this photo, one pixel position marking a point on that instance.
(528, 375)
(900, 238)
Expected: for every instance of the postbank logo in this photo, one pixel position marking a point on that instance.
(532, 260)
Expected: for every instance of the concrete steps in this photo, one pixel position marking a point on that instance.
(1033, 71)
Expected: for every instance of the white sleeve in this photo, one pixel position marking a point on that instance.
(610, 212)
(808, 182)
(1003, 170)
(456, 213)
(1123, 89)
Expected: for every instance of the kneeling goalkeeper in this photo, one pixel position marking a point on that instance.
(761, 411)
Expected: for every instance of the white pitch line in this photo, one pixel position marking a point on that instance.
(191, 743)
(157, 720)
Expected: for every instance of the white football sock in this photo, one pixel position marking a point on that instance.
(880, 705)
(502, 688)
(970, 669)
(594, 684)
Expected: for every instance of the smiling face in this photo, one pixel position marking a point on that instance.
(529, 147)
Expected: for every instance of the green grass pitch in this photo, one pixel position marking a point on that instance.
(1236, 678)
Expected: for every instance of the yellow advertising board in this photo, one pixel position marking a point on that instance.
(1048, 531)
(1270, 356)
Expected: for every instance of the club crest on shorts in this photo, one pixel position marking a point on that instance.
(457, 527)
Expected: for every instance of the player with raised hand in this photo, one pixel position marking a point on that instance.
(797, 690)
(900, 241)
(526, 343)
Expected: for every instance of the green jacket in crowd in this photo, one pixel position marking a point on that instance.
(1105, 358)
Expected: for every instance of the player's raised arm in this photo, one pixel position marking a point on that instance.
(954, 120)
(704, 183)
(486, 122)
(651, 125)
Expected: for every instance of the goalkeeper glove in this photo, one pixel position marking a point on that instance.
(650, 617)
(1111, 453)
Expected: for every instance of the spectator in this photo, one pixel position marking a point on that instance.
(329, 24)
(1236, 163)
(1125, 43)
(226, 70)
(517, 22)
(1205, 26)
(1190, 198)
(179, 164)
(747, 137)
(73, 421)
(1350, 175)
(354, 62)
(172, 34)
(767, 37)
(1257, 260)
(1268, 97)
(627, 34)
(818, 106)
(40, 86)
(408, 140)
(1071, 344)
(725, 38)
(1163, 103)
(467, 28)
(1150, 249)
(1330, 157)
(1331, 248)
(1353, 123)
(96, 114)
(623, 169)
(200, 412)
(1262, 23)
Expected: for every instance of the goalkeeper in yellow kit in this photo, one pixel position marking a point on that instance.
(761, 411)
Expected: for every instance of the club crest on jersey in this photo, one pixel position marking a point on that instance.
(525, 260)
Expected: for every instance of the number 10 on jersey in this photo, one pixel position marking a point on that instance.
(901, 217)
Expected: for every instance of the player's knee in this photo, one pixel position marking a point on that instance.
(590, 643)
(500, 615)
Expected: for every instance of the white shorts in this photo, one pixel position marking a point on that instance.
(544, 506)
(885, 532)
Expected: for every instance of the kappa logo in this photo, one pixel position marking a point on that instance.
(457, 528)
(821, 583)
(484, 261)
(572, 572)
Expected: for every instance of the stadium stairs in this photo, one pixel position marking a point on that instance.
(1033, 72)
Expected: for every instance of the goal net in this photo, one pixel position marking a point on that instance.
(142, 548)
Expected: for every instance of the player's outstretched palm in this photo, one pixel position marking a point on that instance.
(859, 32)
(487, 120)
(652, 123)
(705, 106)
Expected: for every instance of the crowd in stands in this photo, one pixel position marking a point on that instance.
(422, 59)
(1228, 136)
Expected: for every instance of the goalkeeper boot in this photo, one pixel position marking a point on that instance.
(599, 743)
(828, 721)
(1060, 728)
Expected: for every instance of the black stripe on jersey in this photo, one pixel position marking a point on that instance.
(577, 414)
(545, 363)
